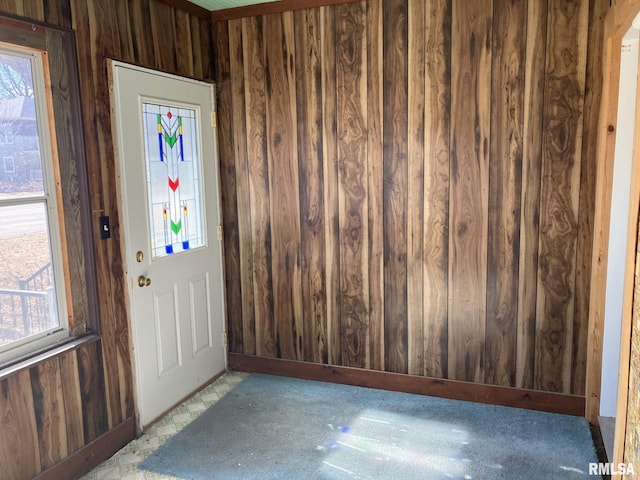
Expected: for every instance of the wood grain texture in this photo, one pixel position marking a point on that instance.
(92, 391)
(242, 184)
(235, 305)
(49, 408)
(308, 63)
(505, 190)
(561, 143)
(19, 448)
(255, 102)
(375, 182)
(587, 207)
(284, 185)
(530, 201)
(395, 125)
(468, 209)
(436, 187)
(351, 81)
(416, 93)
(330, 183)
(422, 131)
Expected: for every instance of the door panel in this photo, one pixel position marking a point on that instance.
(170, 207)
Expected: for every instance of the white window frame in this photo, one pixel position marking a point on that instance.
(41, 341)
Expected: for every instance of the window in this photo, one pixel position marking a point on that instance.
(47, 277)
(9, 165)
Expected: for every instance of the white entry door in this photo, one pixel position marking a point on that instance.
(167, 163)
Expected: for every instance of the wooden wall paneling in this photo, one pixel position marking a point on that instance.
(593, 94)
(58, 12)
(243, 196)
(95, 38)
(140, 20)
(184, 46)
(308, 73)
(416, 45)
(351, 88)
(92, 391)
(530, 202)
(16, 6)
(33, 9)
(561, 142)
(207, 50)
(470, 135)
(72, 397)
(394, 128)
(19, 457)
(255, 102)
(163, 32)
(330, 180)
(375, 182)
(436, 187)
(226, 155)
(197, 48)
(49, 408)
(505, 189)
(125, 39)
(284, 184)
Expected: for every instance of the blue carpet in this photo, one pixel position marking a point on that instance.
(272, 427)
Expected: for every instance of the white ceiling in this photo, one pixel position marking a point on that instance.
(222, 4)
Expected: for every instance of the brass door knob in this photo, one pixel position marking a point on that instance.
(143, 281)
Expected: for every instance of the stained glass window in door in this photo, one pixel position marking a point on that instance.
(174, 181)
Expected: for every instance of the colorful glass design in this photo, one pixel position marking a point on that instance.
(174, 187)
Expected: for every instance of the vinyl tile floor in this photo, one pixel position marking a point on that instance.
(124, 464)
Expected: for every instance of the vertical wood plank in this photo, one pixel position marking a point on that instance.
(561, 141)
(255, 102)
(415, 186)
(207, 50)
(58, 12)
(33, 9)
(184, 47)
(375, 182)
(351, 87)
(123, 24)
(310, 158)
(49, 408)
(20, 457)
(226, 152)
(143, 51)
(198, 48)
(470, 135)
(283, 183)
(14, 6)
(92, 391)
(395, 124)
(243, 196)
(505, 188)
(163, 32)
(330, 177)
(530, 201)
(97, 31)
(587, 208)
(72, 398)
(436, 186)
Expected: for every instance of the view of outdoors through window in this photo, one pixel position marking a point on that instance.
(27, 295)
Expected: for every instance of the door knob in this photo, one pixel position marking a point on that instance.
(143, 281)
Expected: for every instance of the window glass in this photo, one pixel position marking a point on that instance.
(29, 253)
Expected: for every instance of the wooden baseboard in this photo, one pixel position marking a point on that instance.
(93, 454)
(436, 387)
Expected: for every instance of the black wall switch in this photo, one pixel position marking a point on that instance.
(105, 228)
